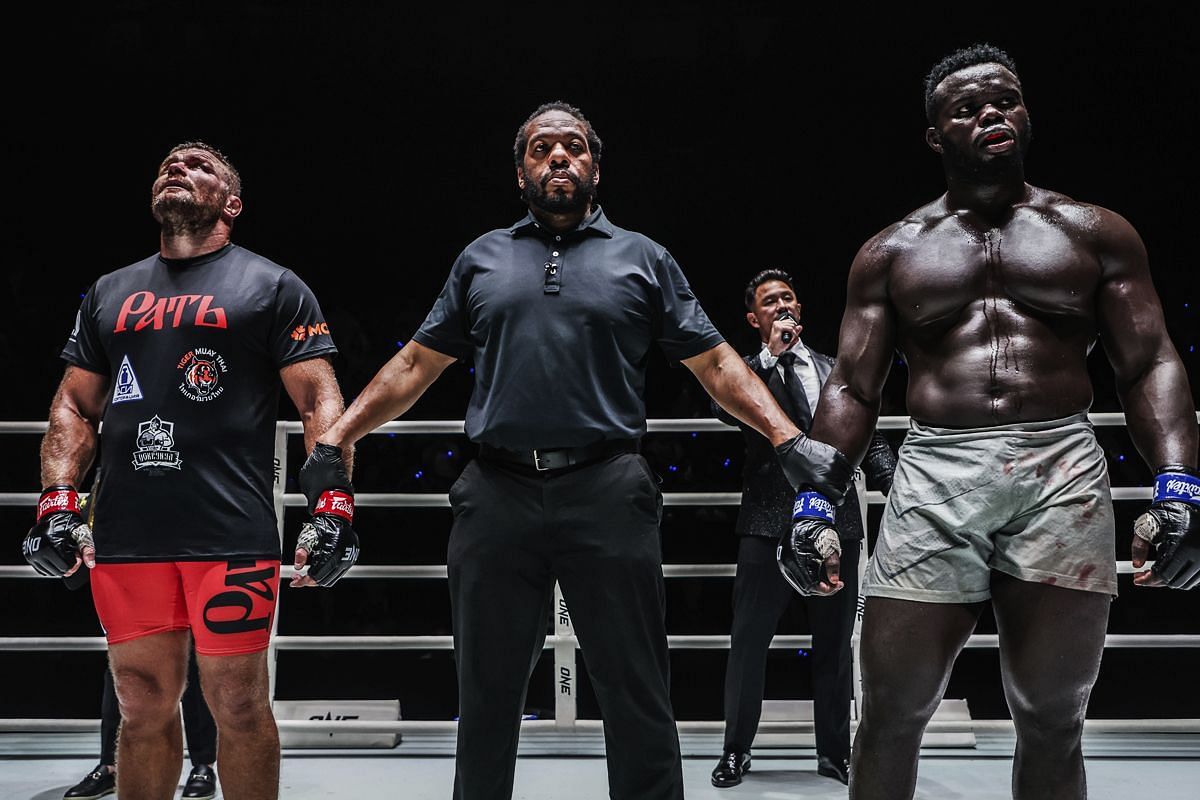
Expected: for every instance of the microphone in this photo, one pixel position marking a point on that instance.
(785, 314)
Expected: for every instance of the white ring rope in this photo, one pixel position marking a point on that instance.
(674, 641)
(536, 726)
(433, 571)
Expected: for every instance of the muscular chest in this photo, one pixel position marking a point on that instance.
(1029, 264)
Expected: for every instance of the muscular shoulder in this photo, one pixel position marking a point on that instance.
(876, 254)
(1107, 233)
(1083, 219)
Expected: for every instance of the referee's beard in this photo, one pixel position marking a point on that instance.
(557, 201)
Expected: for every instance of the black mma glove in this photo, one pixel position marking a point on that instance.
(802, 552)
(325, 471)
(332, 547)
(809, 464)
(331, 543)
(1172, 524)
(59, 534)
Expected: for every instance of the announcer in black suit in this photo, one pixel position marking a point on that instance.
(795, 375)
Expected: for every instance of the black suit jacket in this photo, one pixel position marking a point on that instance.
(767, 496)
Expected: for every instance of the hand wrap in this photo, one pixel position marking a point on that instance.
(60, 531)
(1172, 524)
(332, 547)
(802, 552)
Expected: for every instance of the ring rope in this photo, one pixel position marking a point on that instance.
(559, 641)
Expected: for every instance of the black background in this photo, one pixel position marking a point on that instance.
(375, 143)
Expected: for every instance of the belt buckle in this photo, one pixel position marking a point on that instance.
(537, 463)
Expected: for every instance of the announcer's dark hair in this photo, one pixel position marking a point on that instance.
(761, 278)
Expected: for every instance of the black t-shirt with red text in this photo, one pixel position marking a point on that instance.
(193, 349)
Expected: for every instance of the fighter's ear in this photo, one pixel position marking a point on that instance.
(933, 138)
(520, 178)
(233, 206)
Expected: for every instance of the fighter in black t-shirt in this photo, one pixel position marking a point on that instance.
(182, 355)
(193, 349)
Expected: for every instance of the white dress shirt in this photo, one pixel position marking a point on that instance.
(804, 367)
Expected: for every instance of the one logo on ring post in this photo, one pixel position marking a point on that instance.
(202, 370)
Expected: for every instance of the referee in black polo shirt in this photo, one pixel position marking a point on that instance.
(558, 313)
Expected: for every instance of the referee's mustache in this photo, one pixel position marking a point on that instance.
(562, 173)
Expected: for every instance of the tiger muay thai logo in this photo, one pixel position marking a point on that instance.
(155, 445)
(202, 370)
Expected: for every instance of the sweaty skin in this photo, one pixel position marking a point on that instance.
(994, 294)
(995, 319)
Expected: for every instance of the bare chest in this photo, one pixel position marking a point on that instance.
(1030, 265)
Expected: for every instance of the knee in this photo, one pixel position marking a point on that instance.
(239, 709)
(146, 699)
(895, 710)
(1048, 725)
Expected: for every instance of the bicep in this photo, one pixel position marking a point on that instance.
(1129, 313)
(867, 337)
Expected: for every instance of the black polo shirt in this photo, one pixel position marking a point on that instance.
(559, 327)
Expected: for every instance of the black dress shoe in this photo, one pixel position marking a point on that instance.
(201, 784)
(97, 783)
(836, 768)
(730, 768)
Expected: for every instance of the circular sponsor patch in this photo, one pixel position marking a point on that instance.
(202, 370)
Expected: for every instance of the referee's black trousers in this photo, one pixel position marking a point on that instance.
(760, 596)
(595, 529)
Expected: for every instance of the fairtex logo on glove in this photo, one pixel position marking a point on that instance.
(1176, 486)
(55, 500)
(812, 505)
(339, 504)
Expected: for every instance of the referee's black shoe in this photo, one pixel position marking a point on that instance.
(730, 769)
(836, 768)
(100, 782)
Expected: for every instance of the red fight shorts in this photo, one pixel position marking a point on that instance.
(228, 605)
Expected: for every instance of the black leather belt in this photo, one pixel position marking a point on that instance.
(559, 457)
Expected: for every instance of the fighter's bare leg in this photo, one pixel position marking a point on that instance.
(1051, 641)
(908, 650)
(237, 689)
(149, 675)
